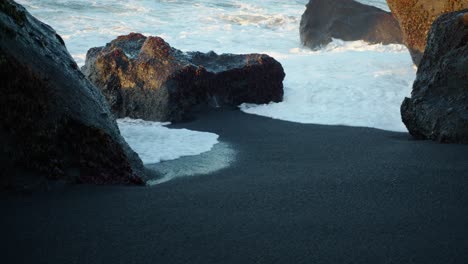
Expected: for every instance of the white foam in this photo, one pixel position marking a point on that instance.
(345, 83)
(220, 157)
(350, 83)
(154, 142)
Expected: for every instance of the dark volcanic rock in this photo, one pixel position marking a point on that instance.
(54, 122)
(347, 20)
(416, 17)
(144, 77)
(438, 108)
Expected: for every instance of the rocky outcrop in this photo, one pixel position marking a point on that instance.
(438, 107)
(347, 20)
(54, 122)
(144, 77)
(416, 17)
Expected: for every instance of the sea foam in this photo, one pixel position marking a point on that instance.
(154, 142)
(344, 83)
(347, 83)
(175, 153)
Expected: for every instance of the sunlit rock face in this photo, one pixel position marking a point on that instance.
(348, 20)
(416, 17)
(54, 121)
(438, 107)
(144, 77)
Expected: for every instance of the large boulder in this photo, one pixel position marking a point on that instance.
(347, 20)
(438, 107)
(144, 77)
(416, 17)
(54, 122)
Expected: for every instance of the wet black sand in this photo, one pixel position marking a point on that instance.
(296, 194)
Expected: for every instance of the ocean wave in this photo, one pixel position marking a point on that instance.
(269, 21)
(350, 83)
(338, 45)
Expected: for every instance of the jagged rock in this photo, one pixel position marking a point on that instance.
(144, 77)
(416, 17)
(438, 107)
(347, 20)
(54, 121)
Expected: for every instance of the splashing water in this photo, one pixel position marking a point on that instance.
(347, 83)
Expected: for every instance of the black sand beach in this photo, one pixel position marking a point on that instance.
(295, 194)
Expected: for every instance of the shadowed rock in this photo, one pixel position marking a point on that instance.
(54, 121)
(416, 17)
(438, 107)
(347, 20)
(144, 77)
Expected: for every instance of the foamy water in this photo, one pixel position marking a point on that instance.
(346, 83)
(154, 142)
(221, 156)
(175, 153)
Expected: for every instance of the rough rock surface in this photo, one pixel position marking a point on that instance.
(144, 77)
(54, 123)
(347, 20)
(438, 107)
(416, 17)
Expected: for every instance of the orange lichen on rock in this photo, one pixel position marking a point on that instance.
(416, 17)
